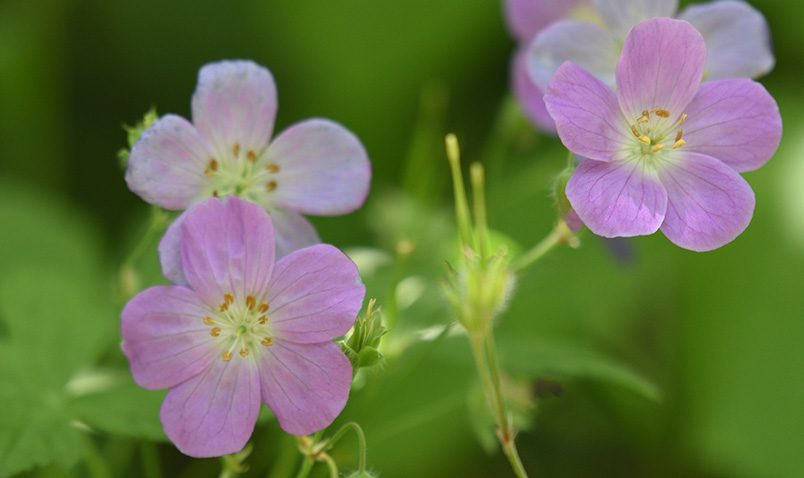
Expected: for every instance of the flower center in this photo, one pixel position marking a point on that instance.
(656, 133)
(241, 173)
(241, 326)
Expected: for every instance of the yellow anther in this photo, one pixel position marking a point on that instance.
(223, 307)
(270, 186)
(656, 148)
(263, 308)
(216, 331)
(635, 131)
(228, 298)
(236, 149)
(679, 134)
(272, 167)
(267, 341)
(263, 320)
(679, 144)
(251, 155)
(250, 302)
(682, 119)
(645, 117)
(644, 139)
(662, 113)
(227, 356)
(211, 167)
(243, 351)
(208, 321)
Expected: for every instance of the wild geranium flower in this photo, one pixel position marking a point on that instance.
(315, 167)
(665, 150)
(244, 330)
(736, 35)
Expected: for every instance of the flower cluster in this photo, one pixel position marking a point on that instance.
(255, 303)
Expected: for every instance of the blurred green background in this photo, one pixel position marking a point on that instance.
(671, 363)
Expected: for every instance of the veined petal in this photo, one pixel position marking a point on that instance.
(526, 18)
(166, 166)
(164, 336)
(170, 252)
(661, 66)
(622, 15)
(587, 45)
(529, 95)
(315, 295)
(235, 104)
(306, 385)
(618, 198)
(586, 113)
(227, 246)
(293, 232)
(736, 121)
(214, 413)
(709, 204)
(322, 169)
(737, 39)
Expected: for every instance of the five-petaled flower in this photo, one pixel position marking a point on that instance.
(665, 151)
(243, 330)
(314, 167)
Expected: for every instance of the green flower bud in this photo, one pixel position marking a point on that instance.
(368, 357)
(362, 344)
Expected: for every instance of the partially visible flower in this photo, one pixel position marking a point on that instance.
(244, 330)
(737, 39)
(314, 167)
(526, 18)
(665, 151)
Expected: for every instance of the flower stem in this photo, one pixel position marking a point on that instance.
(127, 276)
(561, 234)
(307, 466)
(361, 442)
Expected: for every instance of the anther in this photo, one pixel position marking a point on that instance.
(263, 308)
(211, 167)
(208, 321)
(227, 356)
(251, 155)
(250, 302)
(678, 144)
(635, 131)
(243, 351)
(662, 113)
(216, 331)
(272, 167)
(270, 185)
(656, 148)
(644, 139)
(228, 298)
(682, 119)
(263, 320)
(645, 117)
(236, 149)
(267, 341)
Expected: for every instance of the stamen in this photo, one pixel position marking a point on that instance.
(682, 119)
(263, 320)
(228, 298)
(211, 167)
(236, 149)
(662, 113)
(644, 139)
(635, 131)
(251, 302)
(209, 321)
(263, 308)
(216, 331)
(679, 134)
(270, 185)
(223, 307)
(272, 167)
(243, 352)
(645, 117)
(227, 356)
(679, 144)
(267, 341)
(251, 155)
(656, 148)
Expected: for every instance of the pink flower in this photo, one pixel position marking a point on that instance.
(314, 167)
(665, 151)
(244, 330)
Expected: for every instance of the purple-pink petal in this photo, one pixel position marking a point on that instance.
(618, 198)
(166, 166)
(621, 15)
(315, 295)
(292, 232)
(526, 18)
(164, 336)
(529, 95)
(736, 121)
(170, 252)
(737, 39)
(214, 413)
(235, 104)
(306, 385)
(586, 113)
(709, 204)
(661, 66)
(227, 246)
(323, 169)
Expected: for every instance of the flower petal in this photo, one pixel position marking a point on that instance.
(170, 252)
(622, 15)
(586, 113)
(709, 204)
(315, 295)
(736, 121)
(306, 385)
(737, 39)
(529, 95)
(661, 66)
(617, 199)
(227, 246)
(164, 336)
(587, 45)
(322, 169)
(214, 413)
(293, 232)
(235, 103)
(166, 166)
(526, 18)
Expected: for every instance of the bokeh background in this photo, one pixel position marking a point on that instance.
(661, 362)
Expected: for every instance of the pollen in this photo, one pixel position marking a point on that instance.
(236, 149)
(272, 167)
(251, 155)
(216, 331)
(662, 113)
(678, 144)
(644, 139)
(645, 117)
(208, 321)
(263, 320)
(243, 351)
(263, 308)
(270, 186)
(228, 298)
(682, 119)
(250, 302)
(656, 148)
(227, 356)
(212, 166)
(267, 341)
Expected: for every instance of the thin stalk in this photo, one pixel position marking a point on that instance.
(331, 465)
(461, 204)
(307, 466)
(478, 180)
(559, 235)
(361, 442)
